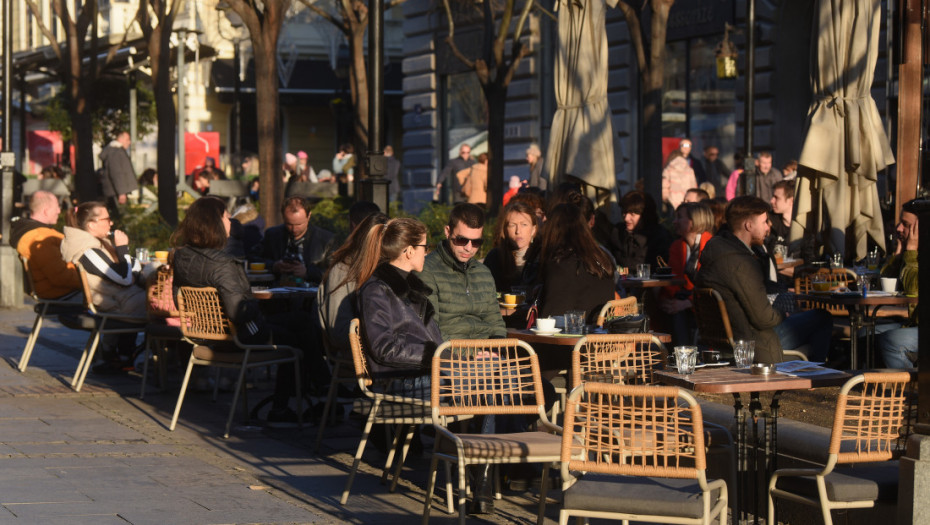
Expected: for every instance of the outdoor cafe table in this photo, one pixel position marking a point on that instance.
(562, 339)
(738, 381)
(862, 313)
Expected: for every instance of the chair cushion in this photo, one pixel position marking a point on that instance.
(517, 444)
(225, 355)
(78, 321)
(163, 331)
(865, 482)
(637, 495)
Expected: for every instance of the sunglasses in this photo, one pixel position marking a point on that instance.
(460, 241)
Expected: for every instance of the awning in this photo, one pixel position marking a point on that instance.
(310, 77)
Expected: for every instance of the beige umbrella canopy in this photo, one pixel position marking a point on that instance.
(845, 146)
(581, 139)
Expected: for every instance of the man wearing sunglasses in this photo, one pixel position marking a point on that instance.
(463, 289)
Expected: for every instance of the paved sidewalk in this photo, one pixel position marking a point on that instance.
(102, 456)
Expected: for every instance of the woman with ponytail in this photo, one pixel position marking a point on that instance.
(397, 319)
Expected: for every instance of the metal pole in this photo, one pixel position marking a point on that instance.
(237, 107)
(375, 189)
(133, 119)
(11, 288)
(748, 180)
(182, 112)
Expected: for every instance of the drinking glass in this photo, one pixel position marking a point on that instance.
(744, 352)
(780, 251)
(863, 281)
(836, 261)
(643, 271)
(871, 261)
(574, 322)
(685, 359)
(142, 255)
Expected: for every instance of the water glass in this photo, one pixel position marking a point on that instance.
(863, 281)
(142, 255)
(780, 251)
(643, 271)
(836, 261)
(685, 359)
(574, 322)
(871, 261)
(744, 352)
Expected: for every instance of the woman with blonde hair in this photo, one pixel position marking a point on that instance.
(694, 223)
(516, 231)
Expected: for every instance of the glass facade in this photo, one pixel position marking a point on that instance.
(696, 104)
(465, 115)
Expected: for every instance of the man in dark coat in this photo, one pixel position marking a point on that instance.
(729, 267)
(454, 166)
(296, 248)
(117, 176)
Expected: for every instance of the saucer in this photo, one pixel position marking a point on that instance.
(537, 331)
(258, 272)
(509, 305)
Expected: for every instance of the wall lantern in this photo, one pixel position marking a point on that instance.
(726, 55)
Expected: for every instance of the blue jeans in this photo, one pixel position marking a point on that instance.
(897, 345)
(811, 327)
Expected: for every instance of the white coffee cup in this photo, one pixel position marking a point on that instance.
(545, 324)
(889, 284)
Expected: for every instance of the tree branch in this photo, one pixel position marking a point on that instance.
(521, 22)
(636, 34)
(326, 15)
(545, 11)
(450, 39)
(43, 28)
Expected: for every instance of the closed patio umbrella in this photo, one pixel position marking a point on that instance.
(581, 139)
(844, 146)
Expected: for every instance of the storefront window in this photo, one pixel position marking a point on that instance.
(695, 103)
(465, 114)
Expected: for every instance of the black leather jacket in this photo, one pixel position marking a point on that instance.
(208, 267)
(397, 323)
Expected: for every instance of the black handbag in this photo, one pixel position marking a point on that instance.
(628, 324)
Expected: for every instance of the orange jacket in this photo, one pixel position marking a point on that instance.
(53, 277)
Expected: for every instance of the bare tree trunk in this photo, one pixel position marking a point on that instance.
(167, 126)
(496, 97)
(269, 124)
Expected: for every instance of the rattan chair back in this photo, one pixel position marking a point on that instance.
(634, 431)
(359, 359)
(630, 359)
(485, 376)
(29, 286)
(617, 308)
(870, 413)
(159, 294)
(202, 316)
(85, 289)
(713, 322)
(803, 284)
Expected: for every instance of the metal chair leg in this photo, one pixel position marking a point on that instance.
(184, 382)
(31, 341)
(361, 448)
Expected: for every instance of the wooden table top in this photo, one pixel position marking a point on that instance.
(562, 340)
(728, 380)
(284, 293)
(789, 263)
(654, 282)
(847, 299)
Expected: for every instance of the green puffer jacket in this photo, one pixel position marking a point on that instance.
(463, 295)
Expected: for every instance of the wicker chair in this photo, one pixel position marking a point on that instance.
(45, 309)
(630, 358)
(616, 308)
(488, 378)
(803, 283)
(714, 329)
(205, 326)
(102, 323)
(387, 409)
(870, 410)
(158, 332)
(642, 449)
(339, 364)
